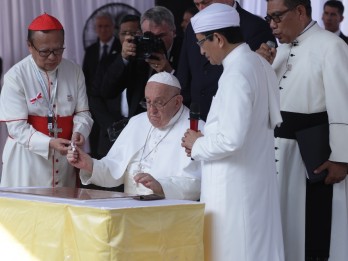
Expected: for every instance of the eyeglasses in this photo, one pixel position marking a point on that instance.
(277, 17)
(201, 42)
(46, 53)
(157, 105)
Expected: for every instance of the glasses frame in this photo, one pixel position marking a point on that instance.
(46, 53)
(147, 105)
(277, 17)
(201, 42)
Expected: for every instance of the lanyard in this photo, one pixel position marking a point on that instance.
(44, 88)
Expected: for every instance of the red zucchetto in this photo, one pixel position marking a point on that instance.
(45, 22)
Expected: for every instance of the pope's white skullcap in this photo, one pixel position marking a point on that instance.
(165, 78)
(215, 16)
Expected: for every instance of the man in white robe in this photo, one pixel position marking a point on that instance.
(239, 183)
(43, 84)
(311, 65)
(147, 157)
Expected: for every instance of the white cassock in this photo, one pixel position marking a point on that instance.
(316, 82)
(239, 183)
(167, 162)
(27, 158)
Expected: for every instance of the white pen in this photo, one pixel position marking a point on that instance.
(73, 147)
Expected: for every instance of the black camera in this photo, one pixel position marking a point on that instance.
(147, 44)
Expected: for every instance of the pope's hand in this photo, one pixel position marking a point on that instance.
(150, 182)
(79, 159)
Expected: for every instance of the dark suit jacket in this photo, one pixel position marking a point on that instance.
(132, 77)
(345, 38)
(104, 111)
(198, 78)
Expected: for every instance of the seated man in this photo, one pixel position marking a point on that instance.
(147, 156)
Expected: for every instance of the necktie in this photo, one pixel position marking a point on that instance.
(105, 52)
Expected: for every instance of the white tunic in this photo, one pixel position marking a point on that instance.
(27, 159)
(316, 82)
(239, 183)
(168, 163)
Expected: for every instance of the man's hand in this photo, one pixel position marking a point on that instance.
(60, 145)
(128, 47)
(78, 139)
(150, 182)
(79, 159)
(267, 52)
(160, 63)
(189, 139)
(337, 171)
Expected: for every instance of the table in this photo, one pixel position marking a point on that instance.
(46, 228)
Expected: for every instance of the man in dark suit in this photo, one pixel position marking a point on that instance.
(333, 16)
(131, 72)
(104, 112)
(198, 78)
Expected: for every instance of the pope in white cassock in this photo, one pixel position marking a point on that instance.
(44, 104)
(147, 157)
(239, 182)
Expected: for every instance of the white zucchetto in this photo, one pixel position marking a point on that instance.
(165, 78)
(215, 16)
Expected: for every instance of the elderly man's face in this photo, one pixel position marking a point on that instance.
(162, 31)
(285, 23)
(104, 28)
(163, 102)
(47, 42)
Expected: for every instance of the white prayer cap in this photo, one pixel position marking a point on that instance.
(165, 78)
(215, 16)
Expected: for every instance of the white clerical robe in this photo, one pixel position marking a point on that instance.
(177, 173)
(239, 183)
(312, 74)
(27, 158)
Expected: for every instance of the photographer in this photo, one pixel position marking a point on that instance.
(141, 56)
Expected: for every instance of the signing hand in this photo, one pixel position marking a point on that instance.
(150, 182)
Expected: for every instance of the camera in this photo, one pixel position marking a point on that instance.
(147, 44)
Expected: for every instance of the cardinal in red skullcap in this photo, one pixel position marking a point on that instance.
(44, 104)
(45, 22)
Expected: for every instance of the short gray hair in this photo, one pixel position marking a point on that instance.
(106, 15)
(159, 15)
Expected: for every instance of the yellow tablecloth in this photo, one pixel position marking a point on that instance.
(35, 228)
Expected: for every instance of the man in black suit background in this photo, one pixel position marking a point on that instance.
(332, 18)
(131, 72)
(104, 112)
(198, 78)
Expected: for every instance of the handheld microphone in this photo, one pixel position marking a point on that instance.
(194, 116)
(271, 44)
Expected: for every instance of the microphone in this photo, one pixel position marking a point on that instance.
(271, 44)
(194, 116)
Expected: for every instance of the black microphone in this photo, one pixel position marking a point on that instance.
(271, 44)
(194, 116)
